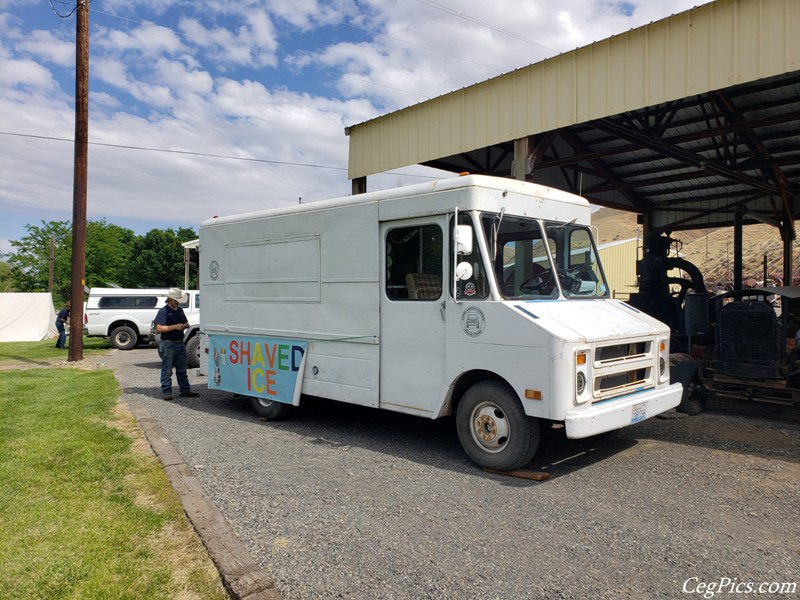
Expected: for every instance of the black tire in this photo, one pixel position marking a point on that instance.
(124, 338)
(693, 399)
(193, 351)
(493, 429)
(271, 410)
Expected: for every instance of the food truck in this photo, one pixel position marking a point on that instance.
(478, 297)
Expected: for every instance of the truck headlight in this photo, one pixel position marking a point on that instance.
(580, 384)
(582, 375)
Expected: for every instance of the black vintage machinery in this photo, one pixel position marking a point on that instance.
(737, 344)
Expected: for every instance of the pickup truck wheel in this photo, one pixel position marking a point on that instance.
(124, 338)
(271, 409)
(493, 429)
(193, 351)
(693, 399)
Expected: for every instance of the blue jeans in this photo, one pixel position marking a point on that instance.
(173, 355)
(62, 334)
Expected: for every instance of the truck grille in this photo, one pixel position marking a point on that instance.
(620, 369)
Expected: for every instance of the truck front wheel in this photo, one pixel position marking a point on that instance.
(271, 410)
(493, 429)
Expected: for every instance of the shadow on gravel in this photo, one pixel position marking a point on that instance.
(741, 426)
(430, 442)
(156, 364)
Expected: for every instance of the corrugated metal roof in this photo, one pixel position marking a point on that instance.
(683, 119)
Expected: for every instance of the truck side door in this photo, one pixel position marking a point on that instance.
(412, 333)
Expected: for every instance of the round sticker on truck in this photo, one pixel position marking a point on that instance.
(473, 321)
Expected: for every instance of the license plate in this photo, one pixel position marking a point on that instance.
(638, 412)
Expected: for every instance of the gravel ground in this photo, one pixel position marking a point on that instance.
(348, 502)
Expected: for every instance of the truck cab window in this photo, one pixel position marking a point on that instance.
(521, 259)
(523, 249)
(582, 275)
(413, 269)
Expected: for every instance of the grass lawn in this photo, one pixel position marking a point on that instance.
(34, 353)
(86, 511)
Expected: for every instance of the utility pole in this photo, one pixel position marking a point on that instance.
(52, 260)
(80, 179)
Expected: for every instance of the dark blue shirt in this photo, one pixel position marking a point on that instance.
(171, 316)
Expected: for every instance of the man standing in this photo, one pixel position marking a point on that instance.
(171, 322)
(61, 321)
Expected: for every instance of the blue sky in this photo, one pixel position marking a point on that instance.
(218, 107)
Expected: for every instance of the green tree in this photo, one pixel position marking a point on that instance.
(30, 258)
(108, 249)
(6, 280)
(108, 252)
(157, 259)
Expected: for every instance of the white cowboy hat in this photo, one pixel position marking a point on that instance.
(176, 294)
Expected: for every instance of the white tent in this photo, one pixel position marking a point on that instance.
(27, 317)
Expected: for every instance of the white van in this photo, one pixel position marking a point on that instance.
(475, 296)
(125, 315)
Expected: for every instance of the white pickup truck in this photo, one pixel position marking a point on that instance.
(124, 315)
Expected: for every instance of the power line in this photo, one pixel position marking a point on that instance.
(186, 152)
(203, 154)
(462, 15)
(107, 14)
(74, 6)
(428, 48)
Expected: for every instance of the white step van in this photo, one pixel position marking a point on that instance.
(476, 296)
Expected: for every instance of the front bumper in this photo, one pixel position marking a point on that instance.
(621, 412)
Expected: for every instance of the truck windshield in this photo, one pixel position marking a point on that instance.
(543, 259)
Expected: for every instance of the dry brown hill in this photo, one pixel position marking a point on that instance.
(711, 250)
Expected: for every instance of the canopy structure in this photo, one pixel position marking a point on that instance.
(27, 317)
(692, 122)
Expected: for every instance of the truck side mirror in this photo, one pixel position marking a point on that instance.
(463, 271)
(464, 239)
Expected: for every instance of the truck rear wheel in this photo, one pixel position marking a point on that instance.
(124, 338)
(271, 409)
(193, 351)
(493, 429)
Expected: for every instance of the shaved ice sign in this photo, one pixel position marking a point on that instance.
(270, 368)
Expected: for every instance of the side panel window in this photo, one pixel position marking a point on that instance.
(476, 286)
(414, 263)
(146, 302)
(128, 302)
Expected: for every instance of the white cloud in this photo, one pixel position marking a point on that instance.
(49, 46)
(213, 80)
(147, 39)
(308, 14)
(25, 73)
(181, 79)
(252, 43)
(111, 71)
